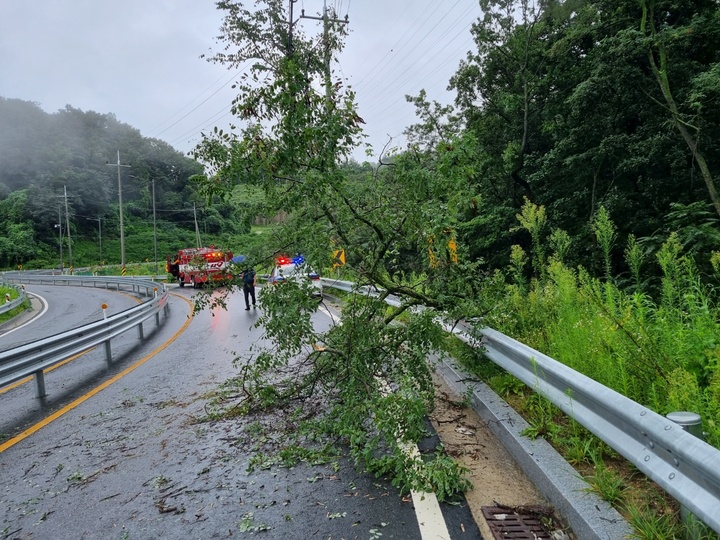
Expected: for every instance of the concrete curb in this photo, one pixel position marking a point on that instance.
(589, 516)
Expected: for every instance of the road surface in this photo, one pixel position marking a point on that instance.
(114, 451)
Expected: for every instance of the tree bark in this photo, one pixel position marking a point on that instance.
(660, 73)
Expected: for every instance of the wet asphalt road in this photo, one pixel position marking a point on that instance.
(127, 461)
(70, 307)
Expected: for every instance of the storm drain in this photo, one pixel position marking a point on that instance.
(505, 523)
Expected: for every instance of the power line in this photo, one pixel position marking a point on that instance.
(428, 47)
(390, 95)
(378, 67)
(205, 100)
(204, 125)
(194, 99)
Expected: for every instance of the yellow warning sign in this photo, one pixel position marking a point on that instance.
(339, 256)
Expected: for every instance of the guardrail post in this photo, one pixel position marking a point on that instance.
(691, 422)
(108, 352)
(141, 333)
(40, 384)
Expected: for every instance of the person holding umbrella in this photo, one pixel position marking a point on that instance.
(249, 279)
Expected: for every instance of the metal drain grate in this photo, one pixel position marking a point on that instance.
(504, 523)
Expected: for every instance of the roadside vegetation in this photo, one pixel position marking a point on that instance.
(13, 295)
(652, 340)
(455, 224)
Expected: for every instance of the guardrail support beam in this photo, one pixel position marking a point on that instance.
(691, 422)
(40, 384)
(108, 352)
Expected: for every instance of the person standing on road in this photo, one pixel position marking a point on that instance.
(249, 282)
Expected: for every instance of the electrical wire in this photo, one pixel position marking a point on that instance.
(200, 104)
(378, 67)
(391, 96)
(430, 47)
(194, 99)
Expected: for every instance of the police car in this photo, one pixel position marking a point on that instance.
(296, 269)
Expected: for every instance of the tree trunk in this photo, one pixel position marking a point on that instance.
(662, 80)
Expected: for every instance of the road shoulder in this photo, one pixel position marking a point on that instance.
(588, 516)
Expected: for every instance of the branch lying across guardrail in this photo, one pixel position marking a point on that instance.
(34, 358)
(349, 286)
(683, 465)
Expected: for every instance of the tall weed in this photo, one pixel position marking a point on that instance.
(663, 353)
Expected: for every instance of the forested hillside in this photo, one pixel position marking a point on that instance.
(45, 156)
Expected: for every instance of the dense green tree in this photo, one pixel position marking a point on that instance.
(559, 108)
(570, 103)
(17, 242)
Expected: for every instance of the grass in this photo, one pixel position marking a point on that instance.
(15, 311)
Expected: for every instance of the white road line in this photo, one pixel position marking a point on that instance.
(327, 312)
(430, 519)
(44, 310)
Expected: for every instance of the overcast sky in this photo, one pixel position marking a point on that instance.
(140, 59)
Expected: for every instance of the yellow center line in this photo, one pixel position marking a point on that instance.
(57, 414)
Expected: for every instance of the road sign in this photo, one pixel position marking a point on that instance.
(339, 256)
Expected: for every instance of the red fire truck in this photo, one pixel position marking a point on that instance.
(197, 266)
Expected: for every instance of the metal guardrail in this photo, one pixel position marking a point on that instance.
(137, 285)
(34, 358)
(349, 286)
(12, 304)
(683, 465)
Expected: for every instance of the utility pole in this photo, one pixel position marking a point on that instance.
(154, 226)
(290, 27)
(59, 228)
(326, 40)
(67, 227)
(122, 230)
(197, 231)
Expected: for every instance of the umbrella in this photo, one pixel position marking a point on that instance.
(237, 259)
